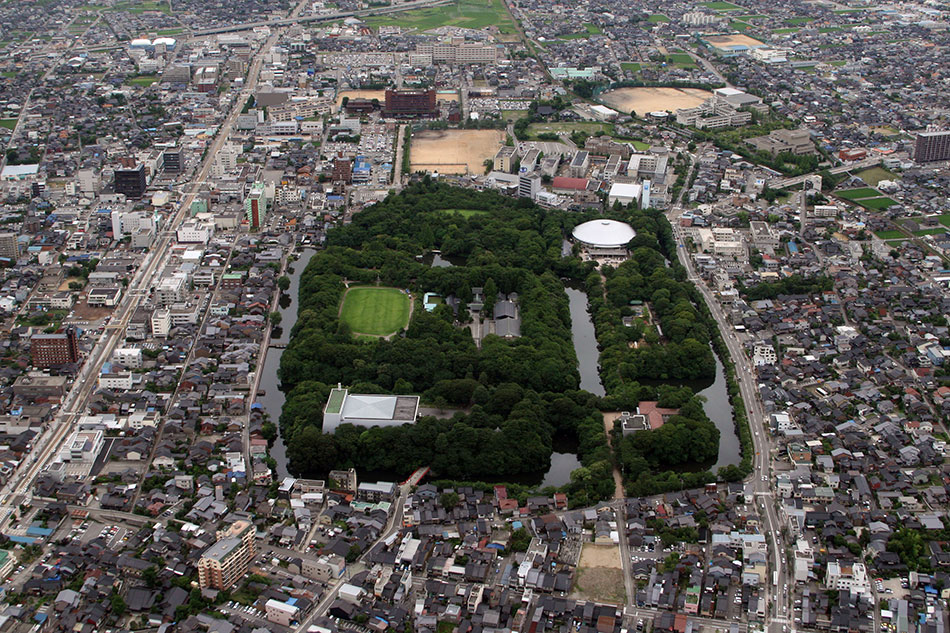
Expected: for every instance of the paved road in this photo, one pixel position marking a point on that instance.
(777, 597)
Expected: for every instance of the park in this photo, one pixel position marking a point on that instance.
(375, 311)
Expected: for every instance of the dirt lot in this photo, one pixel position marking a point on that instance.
(724, 41)
(454, 151)
(600, 556)
(599, 584)
(646, 100)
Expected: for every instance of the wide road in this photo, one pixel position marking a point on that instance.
(760, 484)
(74, 404)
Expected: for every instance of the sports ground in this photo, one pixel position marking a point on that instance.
(375, 311)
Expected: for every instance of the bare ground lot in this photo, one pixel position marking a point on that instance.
(594, 555)
(360, 94)
(454, 151)
(599, 584)
(646, 100)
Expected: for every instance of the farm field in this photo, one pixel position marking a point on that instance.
(469, 14)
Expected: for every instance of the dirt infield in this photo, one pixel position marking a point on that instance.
(725, 41)
(454, 151)
(645, 100)
(607, 556)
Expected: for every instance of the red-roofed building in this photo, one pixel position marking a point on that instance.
(562, 184)
(655, 415)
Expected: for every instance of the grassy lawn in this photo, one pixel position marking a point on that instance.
(8, 123)
(554, 128)
(753, 17)
(739, 26)
(720, 6)
(784, 31)
(798, 21)
(8, 74)
(895, 242)
(830, 29)
(589, 29)
(889, 235)
(657, 18)
(465, 213)
(374, 310)
(857, 194)
(944, 219)
(680, 60)
(875, 175)
(640, 146)
(838, 62)
(143, 80)
(877, 203)
(470, 14)
(167, 32)
(513, 115)
(930, 232)
(633, 67)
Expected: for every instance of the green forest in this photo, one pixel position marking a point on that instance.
(510, 397)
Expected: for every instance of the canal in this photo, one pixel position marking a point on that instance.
(273, 398)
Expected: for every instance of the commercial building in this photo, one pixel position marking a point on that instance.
(130, 222)
(282, 613)
(374, 493)
(131, 182)
(580, 164)
(624, 193)
(195, 232)
(256, 205)
(931, 146)
(171, 160)
(223, 564)
(10, 246)
(161, 322)
(368, 410)
(410, 104)
(848, 576)
(82, 446)
(50, 350)
(723, 242)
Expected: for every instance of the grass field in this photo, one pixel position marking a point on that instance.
(470, 14)
(944, 219)
(875, 175)
(680, 60)
(633, 67)
(877, 203)
(143, 80)
(8, 123)
(798, 21)
(657, 18)
(922, 232)
(830, 29)
(785, 31)
(720, 6)
(374, 310)
(589, 29)
(739, 26)
(889, 235)
(465, 213)
(857, 194)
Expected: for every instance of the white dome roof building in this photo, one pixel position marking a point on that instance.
(604, 240)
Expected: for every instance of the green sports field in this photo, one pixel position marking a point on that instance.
(373, 310)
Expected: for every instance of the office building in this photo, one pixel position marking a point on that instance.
(9, 246)
(131, 182)
(529, 185)
(129, 222)
(82, 446)
(931, 146)
(225, 562)
(50, 350)
(171, 160)
(255, 205)
(410, 104)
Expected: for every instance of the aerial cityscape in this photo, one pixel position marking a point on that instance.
(474, 316)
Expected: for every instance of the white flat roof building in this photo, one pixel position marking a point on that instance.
(368, 410)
